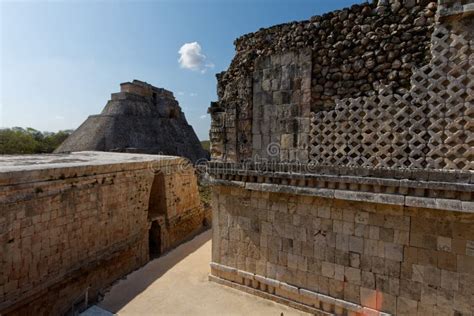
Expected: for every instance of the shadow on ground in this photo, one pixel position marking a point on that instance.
(123, 293)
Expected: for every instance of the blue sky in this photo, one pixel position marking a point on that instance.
(60, 61)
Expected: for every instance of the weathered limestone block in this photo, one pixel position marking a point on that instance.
(72, 224)
(311, 64)
(360, 187)
(368, 269)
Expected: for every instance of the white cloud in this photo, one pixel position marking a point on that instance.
(193, 94)
(191, 58)
(59, 117)
(202, 117)
(180, 93)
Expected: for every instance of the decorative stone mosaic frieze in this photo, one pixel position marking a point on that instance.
(292, 69)
(427, 127)
(358, 196)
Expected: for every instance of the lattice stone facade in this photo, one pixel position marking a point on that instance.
(280, 109)
(427, 127)
(357, 197)
(298, 68)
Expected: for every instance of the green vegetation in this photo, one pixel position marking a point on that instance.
(206, 144)
(17, 140)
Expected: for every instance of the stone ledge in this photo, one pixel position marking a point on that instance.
(27, 169)
(300, 298)
(295, 170)
(312, 180)
(268, 296)
(353, 195)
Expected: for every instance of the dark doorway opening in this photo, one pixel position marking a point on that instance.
(154, 240)
(157, 200)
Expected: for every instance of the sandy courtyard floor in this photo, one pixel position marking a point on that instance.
(177, 284)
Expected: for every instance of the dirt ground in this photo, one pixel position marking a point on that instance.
(177, 284)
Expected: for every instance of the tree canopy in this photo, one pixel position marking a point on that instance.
(18, 140)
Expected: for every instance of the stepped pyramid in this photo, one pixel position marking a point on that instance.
(140, 118)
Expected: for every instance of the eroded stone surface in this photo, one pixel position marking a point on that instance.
(299, 67)
(71, 224)
(342, 161)
(142, 119)
(290, 100)
(394, 259)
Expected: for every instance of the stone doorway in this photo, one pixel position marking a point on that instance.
(154, 240)
(157, 208)
(157, 201)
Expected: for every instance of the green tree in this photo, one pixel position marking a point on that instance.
(17, 140)
(51, 141)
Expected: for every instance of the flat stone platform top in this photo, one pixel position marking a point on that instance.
(29, 168)
(9, 163)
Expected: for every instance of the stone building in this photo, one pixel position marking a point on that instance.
(342, 161)
(71, 224)
(142, 119)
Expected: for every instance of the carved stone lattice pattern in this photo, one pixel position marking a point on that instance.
(428, 127)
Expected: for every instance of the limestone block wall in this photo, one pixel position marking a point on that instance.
(72, 224)
(345, 256)
(349, 53)
(184, 215)
(450, 8)
(281, 106)
(387, 85)
(136, 89)
(357, 197)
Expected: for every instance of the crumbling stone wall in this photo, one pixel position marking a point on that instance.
(357, 196)
(425, 127)
(353, 52)
(72, 224)
(393, 92)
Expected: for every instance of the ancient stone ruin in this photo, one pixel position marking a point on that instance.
(142, 119)
(71, 224)
(342, 161)
(342, 174)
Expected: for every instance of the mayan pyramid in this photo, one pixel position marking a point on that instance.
(140, 118)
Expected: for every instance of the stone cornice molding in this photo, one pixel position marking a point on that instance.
(437, 189)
